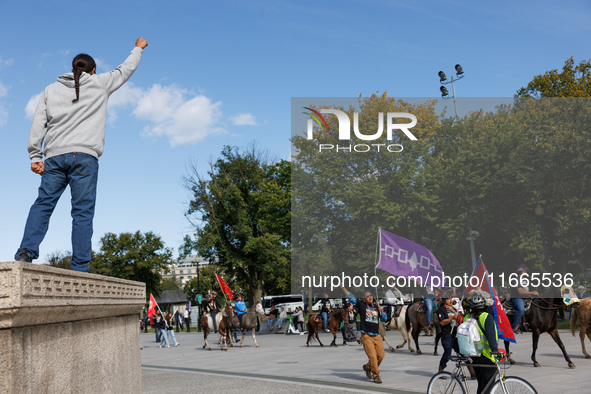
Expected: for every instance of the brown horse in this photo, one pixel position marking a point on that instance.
(418, 320)
(221, 319)
(583, 314)
(542, 317)
(249, 323)
(335, 317)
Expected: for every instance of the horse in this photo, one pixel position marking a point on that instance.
(335, 317)
(397, 323)
(418, 321)
(583, 314)
(221, 319)
(542, 317)
(249, 323)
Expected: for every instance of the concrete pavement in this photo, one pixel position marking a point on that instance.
(284, 364)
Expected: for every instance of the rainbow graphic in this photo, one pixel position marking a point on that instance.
(317, 116)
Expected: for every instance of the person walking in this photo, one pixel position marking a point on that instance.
(157, 316)
(160, 323)
(349, 331)
(370, 313)
(187, 318)
(68, 128)
(479, 302)
(170, 328)
(448, 317)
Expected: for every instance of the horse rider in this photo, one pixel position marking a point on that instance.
(326, 308)
(479, 301)
(211, 306)
(428, 296)
(370, 313)
(517, 295)
(240, 306)
(393, 298)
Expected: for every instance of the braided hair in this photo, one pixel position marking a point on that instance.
(81, 63)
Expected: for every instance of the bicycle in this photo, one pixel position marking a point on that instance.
(457, 383)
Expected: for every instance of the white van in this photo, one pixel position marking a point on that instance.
(334, 302)
(289, 302)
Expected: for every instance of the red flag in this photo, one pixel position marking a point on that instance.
(225, 288)
(152, 307)
(501, 319)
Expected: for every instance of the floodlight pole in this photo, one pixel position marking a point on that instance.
(443, 80)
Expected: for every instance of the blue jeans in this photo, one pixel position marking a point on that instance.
(80, 172)
(158, 334)
(164, 337)
(429, 305)
(448, 344)
(170, 332)
(325, 319)
(519, 308)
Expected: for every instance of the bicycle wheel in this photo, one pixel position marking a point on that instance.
(514, 385)
(445, 383)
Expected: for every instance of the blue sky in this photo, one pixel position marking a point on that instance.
(221, 73)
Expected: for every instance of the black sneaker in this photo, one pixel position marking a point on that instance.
(24, 257)
(344, 343)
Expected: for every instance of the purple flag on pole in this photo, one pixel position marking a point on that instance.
(402, 257)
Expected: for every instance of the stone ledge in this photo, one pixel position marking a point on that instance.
(32, 294)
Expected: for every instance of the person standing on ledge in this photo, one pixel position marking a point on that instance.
(69, 130)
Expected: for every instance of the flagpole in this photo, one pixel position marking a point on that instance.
(375, 269)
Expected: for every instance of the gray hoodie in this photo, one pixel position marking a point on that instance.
(61, 126)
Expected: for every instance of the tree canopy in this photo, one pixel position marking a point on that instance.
(241, 213)
(517, 174)
(572, 81)
(138, 256)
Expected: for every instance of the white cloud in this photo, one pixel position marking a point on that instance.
(32, 106)
(174, 114)
(125, 96)
(244, 120)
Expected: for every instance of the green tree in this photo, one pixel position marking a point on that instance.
(170, 284)
(138, 256)
(572, 81)
(241, 214)
(60, 259)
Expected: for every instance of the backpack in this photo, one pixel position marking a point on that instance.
(469, 340)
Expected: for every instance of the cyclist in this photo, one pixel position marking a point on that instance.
(479, 302)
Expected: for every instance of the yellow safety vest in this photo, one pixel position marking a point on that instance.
(486, 352)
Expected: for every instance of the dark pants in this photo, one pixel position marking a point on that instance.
(449, 344)
(483, 374)
(187, 324)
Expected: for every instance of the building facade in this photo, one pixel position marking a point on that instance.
(185, 269)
